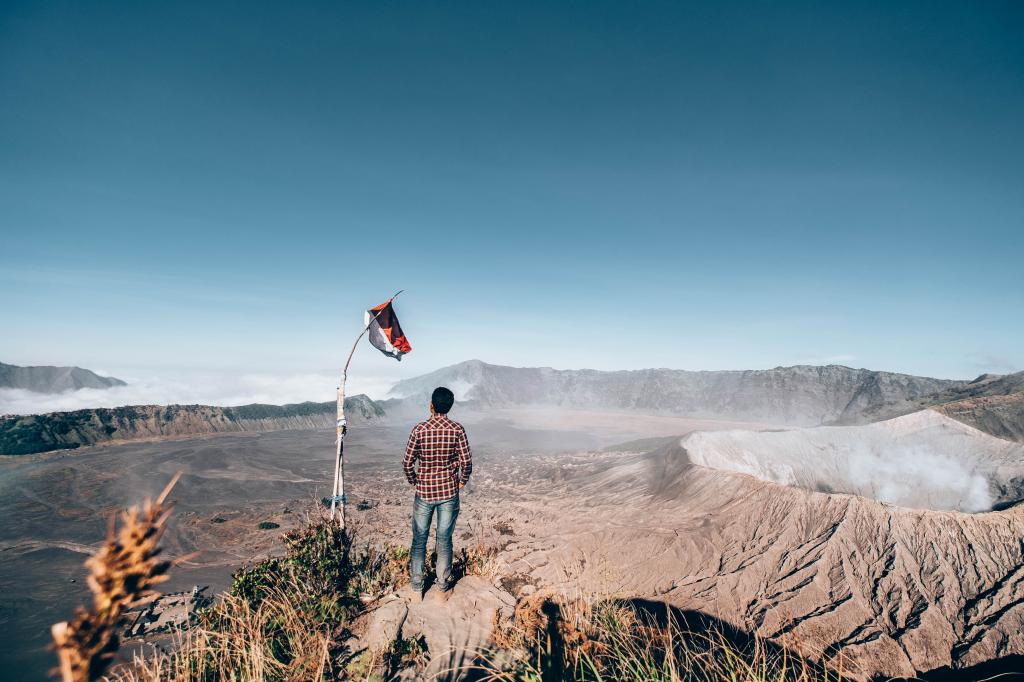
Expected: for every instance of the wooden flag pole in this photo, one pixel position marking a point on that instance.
(338, 491)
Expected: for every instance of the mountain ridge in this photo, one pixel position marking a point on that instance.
(29, 434)
(53, 379)
(798, 395)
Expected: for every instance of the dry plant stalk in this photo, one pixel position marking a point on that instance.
(122, 574)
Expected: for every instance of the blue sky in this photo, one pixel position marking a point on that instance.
(213, 188)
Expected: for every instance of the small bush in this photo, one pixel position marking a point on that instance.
(381, 571)
(268, 525)
(253, 584)
(405, 653)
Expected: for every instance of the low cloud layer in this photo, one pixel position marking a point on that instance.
(205, 388)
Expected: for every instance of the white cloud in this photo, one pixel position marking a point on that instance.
(205, 388)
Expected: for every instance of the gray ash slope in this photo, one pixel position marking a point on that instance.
(49, 379)
(802, 395)
(899, 591)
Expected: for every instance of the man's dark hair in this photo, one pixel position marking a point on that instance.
(442, 399)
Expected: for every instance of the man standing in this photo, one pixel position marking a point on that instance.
(438, 463)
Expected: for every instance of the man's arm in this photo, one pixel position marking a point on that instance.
(465, 458)
(412, 453)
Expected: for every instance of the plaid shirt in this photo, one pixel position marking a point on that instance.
(445, 462)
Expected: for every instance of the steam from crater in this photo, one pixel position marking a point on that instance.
(917, 476)
(922, 460)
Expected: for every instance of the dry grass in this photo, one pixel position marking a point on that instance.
(379, 571)
(479, 559)
(283, 619)
(274, 640)
(122, 574)
(598, 640)
(287, 618)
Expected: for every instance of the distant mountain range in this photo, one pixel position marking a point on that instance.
(48, 379)
(792, 396)
(802, 395)
(22, 435)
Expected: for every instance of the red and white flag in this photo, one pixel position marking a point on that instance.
(385, 332)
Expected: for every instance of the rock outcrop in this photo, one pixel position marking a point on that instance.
(1002, 415)
(20, 435)
(456, 632)
(992, 403)
(47, 379)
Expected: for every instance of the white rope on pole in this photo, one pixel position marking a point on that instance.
(338, 490)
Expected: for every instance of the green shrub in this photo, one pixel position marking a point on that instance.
(287, 617)
(253, 584)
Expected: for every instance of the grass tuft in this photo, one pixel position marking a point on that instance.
(604, 640)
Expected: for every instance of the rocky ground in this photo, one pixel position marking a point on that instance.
(898, 591)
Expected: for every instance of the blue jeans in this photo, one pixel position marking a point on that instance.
(422, 511)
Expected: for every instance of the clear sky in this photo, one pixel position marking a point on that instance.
(223, 189)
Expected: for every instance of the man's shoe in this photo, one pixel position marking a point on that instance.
(441, 596)
(414, 594)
